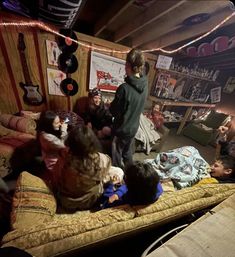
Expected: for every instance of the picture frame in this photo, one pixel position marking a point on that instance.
(106, 72)
(230, 86)
(54, 78)
(53, 52)
(215, 94)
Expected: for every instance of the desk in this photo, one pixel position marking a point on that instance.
(188, 112)
(210, 235)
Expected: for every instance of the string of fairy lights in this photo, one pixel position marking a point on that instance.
(42, 26)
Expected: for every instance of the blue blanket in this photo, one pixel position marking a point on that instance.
(184, 166)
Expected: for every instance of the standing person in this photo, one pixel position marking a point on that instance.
(51, 135)
(126, 108)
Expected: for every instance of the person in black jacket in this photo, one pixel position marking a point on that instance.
(97, 116)
(126, 108)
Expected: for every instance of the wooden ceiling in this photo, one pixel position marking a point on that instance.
(145, 24)
(150, 24)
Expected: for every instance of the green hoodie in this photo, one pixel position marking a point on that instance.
(128, 104)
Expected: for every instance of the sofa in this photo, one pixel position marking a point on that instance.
(39, 229)
(205, 132)
(15, 133)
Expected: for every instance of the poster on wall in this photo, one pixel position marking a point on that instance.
(163, 62)
(106, 72)
(215, 95)
(230, 85)
(53, 52)
(54, 78)
(160, 89)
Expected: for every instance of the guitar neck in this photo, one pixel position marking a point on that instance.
(25, 68)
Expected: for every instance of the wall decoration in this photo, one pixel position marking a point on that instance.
(106, 72)
(53, 52)
(54, 78)
(215, 95)
(160, 89)
(163, 62)
(230, 85)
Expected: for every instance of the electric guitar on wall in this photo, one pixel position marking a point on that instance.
(32, 96)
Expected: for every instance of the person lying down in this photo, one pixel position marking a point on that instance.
(185, 167)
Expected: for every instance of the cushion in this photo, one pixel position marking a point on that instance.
(32, 201)
(18, 123)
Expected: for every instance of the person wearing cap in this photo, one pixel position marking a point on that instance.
(97, 116)
(126, 108)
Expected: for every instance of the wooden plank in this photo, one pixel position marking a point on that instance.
(116, 9)
(167, 30)
(154, 12)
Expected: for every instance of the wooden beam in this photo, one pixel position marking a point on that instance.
(172, 20)
(154, 12)
(116, 9)
(179, 35)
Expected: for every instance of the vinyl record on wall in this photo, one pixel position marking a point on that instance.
(69, 86)
(67, 63)
(66, 45)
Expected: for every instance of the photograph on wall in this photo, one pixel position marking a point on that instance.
(160, 88)
(230, 86)
(53, 52)
(106, 72)
(54, 78)
(215, 95)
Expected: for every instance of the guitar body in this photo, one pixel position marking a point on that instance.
(31, 95)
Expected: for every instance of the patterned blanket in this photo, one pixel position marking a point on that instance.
(184, 166)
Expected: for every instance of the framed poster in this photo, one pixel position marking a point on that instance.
(53, 52)
(215, 95)
(54, 78)
(160, 89)
(106, 72)
(230, 86)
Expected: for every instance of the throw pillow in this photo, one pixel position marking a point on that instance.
(33, 201)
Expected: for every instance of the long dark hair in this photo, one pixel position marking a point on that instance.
(84, 147)
(45, 123)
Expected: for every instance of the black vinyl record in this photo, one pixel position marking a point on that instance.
(66, 45)
(67, 63)
(69, 86)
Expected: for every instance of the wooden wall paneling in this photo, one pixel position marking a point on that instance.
(10, 38)
(7, 93)
(42, 86)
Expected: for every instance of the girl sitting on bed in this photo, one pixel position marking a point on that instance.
(82, 170)
(155, 115)
(51, 135)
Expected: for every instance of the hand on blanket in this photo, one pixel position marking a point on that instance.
(113, 198)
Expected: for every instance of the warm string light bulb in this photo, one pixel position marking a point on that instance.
(102, 49)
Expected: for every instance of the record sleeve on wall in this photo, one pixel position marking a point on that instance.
(54, 78)
(53, 52)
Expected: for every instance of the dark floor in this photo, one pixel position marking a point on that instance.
(174, 141)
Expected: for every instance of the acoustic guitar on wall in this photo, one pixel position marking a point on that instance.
(32, 96)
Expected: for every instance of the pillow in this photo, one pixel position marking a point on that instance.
(18, 123)
(33, 202)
